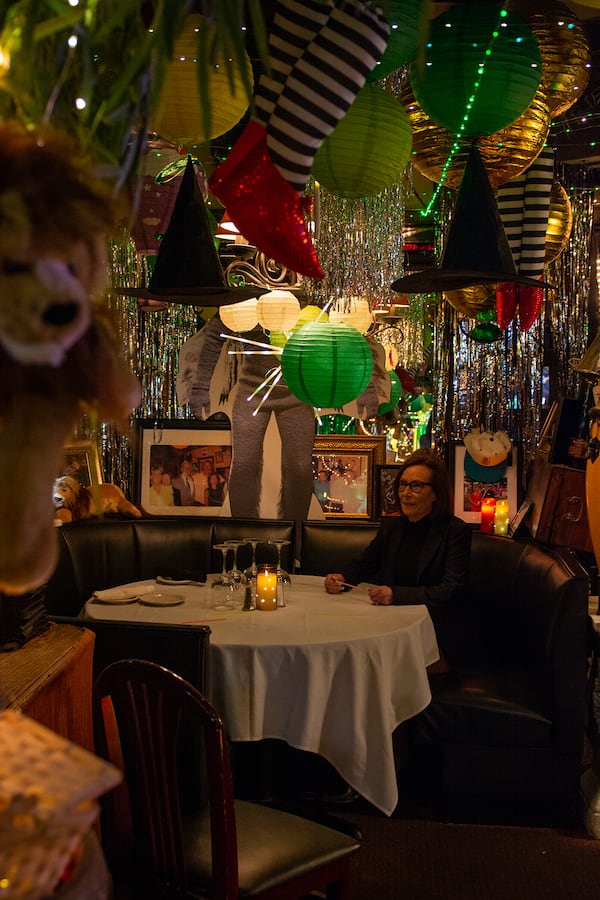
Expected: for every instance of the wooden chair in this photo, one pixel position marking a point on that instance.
(227, 849)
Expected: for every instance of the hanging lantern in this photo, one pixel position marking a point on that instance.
(368, 149)
(505, 154)
(566, 57)
(278, 310)
(481, 64)
(327, 365)
(241, 316)
(395, 394)
(560, 223)
(310, 313)
(470, 301)
(277, 339)
(405, 19)
(355, 312)
(178, 115)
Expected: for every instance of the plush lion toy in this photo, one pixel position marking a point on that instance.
(72, 501)
(58, 353)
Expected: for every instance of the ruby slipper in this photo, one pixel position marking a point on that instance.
(263, 205)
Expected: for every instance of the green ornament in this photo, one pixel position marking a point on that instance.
(486, 333)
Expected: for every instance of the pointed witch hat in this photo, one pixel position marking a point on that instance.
(187, 268)
(477, 249)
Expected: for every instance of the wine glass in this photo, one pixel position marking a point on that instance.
(251, 572)
(238, 578)
(283, 579)
(222, 587)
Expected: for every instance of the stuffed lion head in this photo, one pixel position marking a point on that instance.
(58, 353)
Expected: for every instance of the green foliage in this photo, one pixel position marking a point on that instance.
(123, 48)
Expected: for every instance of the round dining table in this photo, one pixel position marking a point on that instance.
(329, 674)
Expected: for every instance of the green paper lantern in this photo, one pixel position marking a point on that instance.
(395, 395)
(404, 18)
(327, 365)
(486, 333)
(467, 65)
(368, 149)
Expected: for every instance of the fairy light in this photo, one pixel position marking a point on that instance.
(456, 145)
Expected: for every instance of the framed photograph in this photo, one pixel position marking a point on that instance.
(468, 493)
(344, 474)
(82, 460)
(184, 467)
(386, 499)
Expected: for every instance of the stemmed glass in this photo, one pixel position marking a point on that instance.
(251, 572)
(222, 587)
(238, 578)
(283, 579)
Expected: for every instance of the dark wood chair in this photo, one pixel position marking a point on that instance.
(227, 848)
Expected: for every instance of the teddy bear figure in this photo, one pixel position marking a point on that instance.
(58, 353)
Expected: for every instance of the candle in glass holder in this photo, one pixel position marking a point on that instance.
(501, 517)
(266, 588)
(488, 508)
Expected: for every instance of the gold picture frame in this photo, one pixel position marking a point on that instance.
(349, 461)
(81, 459)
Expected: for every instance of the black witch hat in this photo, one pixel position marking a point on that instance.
(187, 268)
(477, 249)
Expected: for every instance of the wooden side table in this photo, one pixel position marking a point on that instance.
(50, 679)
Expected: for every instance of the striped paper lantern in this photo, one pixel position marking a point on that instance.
(395, 394)
(479, 61)
(327, 365)
(405, 19)
(369, 148)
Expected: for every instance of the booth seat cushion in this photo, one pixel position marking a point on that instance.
(501, 709)
(183, 544)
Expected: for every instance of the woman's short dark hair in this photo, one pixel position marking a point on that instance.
(443, 506)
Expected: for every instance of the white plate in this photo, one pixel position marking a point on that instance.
(159, 599)
(114, 601)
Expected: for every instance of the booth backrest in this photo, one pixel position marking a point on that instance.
(329, 546)
(95, 554)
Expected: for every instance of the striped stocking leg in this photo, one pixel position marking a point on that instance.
(295, 24)
(538, 185)
(322, 85)
(511, 199)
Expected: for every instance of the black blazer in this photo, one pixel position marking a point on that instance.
(442, 568)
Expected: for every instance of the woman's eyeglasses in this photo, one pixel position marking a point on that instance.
(415, 486)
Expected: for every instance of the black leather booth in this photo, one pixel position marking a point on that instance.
(95, 554)
(509, 718)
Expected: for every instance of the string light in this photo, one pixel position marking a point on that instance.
(456, 145)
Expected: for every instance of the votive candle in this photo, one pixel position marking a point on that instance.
(266, 589)
(501, 517)
(488, 508)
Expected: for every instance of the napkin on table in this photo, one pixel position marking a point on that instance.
(125, 591)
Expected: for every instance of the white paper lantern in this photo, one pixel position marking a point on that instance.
(278, 310)
(242, 316)
(355, 311)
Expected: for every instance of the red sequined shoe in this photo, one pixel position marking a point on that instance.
(530, 304)
(506, 303)
(263, 205)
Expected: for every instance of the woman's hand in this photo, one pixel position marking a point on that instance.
(334, 583)
(381, 595)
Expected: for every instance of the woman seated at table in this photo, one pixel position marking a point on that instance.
(420, 556)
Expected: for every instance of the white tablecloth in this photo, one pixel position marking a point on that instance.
(333, 675)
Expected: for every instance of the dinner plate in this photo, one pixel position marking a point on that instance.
(160, 599)
(114, 601)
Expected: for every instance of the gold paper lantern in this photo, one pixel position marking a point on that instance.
(505, 154)
(472, 300)
(355, 312)
(310, 313)
(178, 115)
(560, 223)
(278, 310)
(240, 316)
(566, 59)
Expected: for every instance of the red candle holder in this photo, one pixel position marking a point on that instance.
(488, 510)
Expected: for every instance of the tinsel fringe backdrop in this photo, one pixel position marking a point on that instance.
(498, 385)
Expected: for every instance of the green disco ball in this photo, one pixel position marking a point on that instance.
(395, 395)
(327, 365)
(481, 56)
(367, 151)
